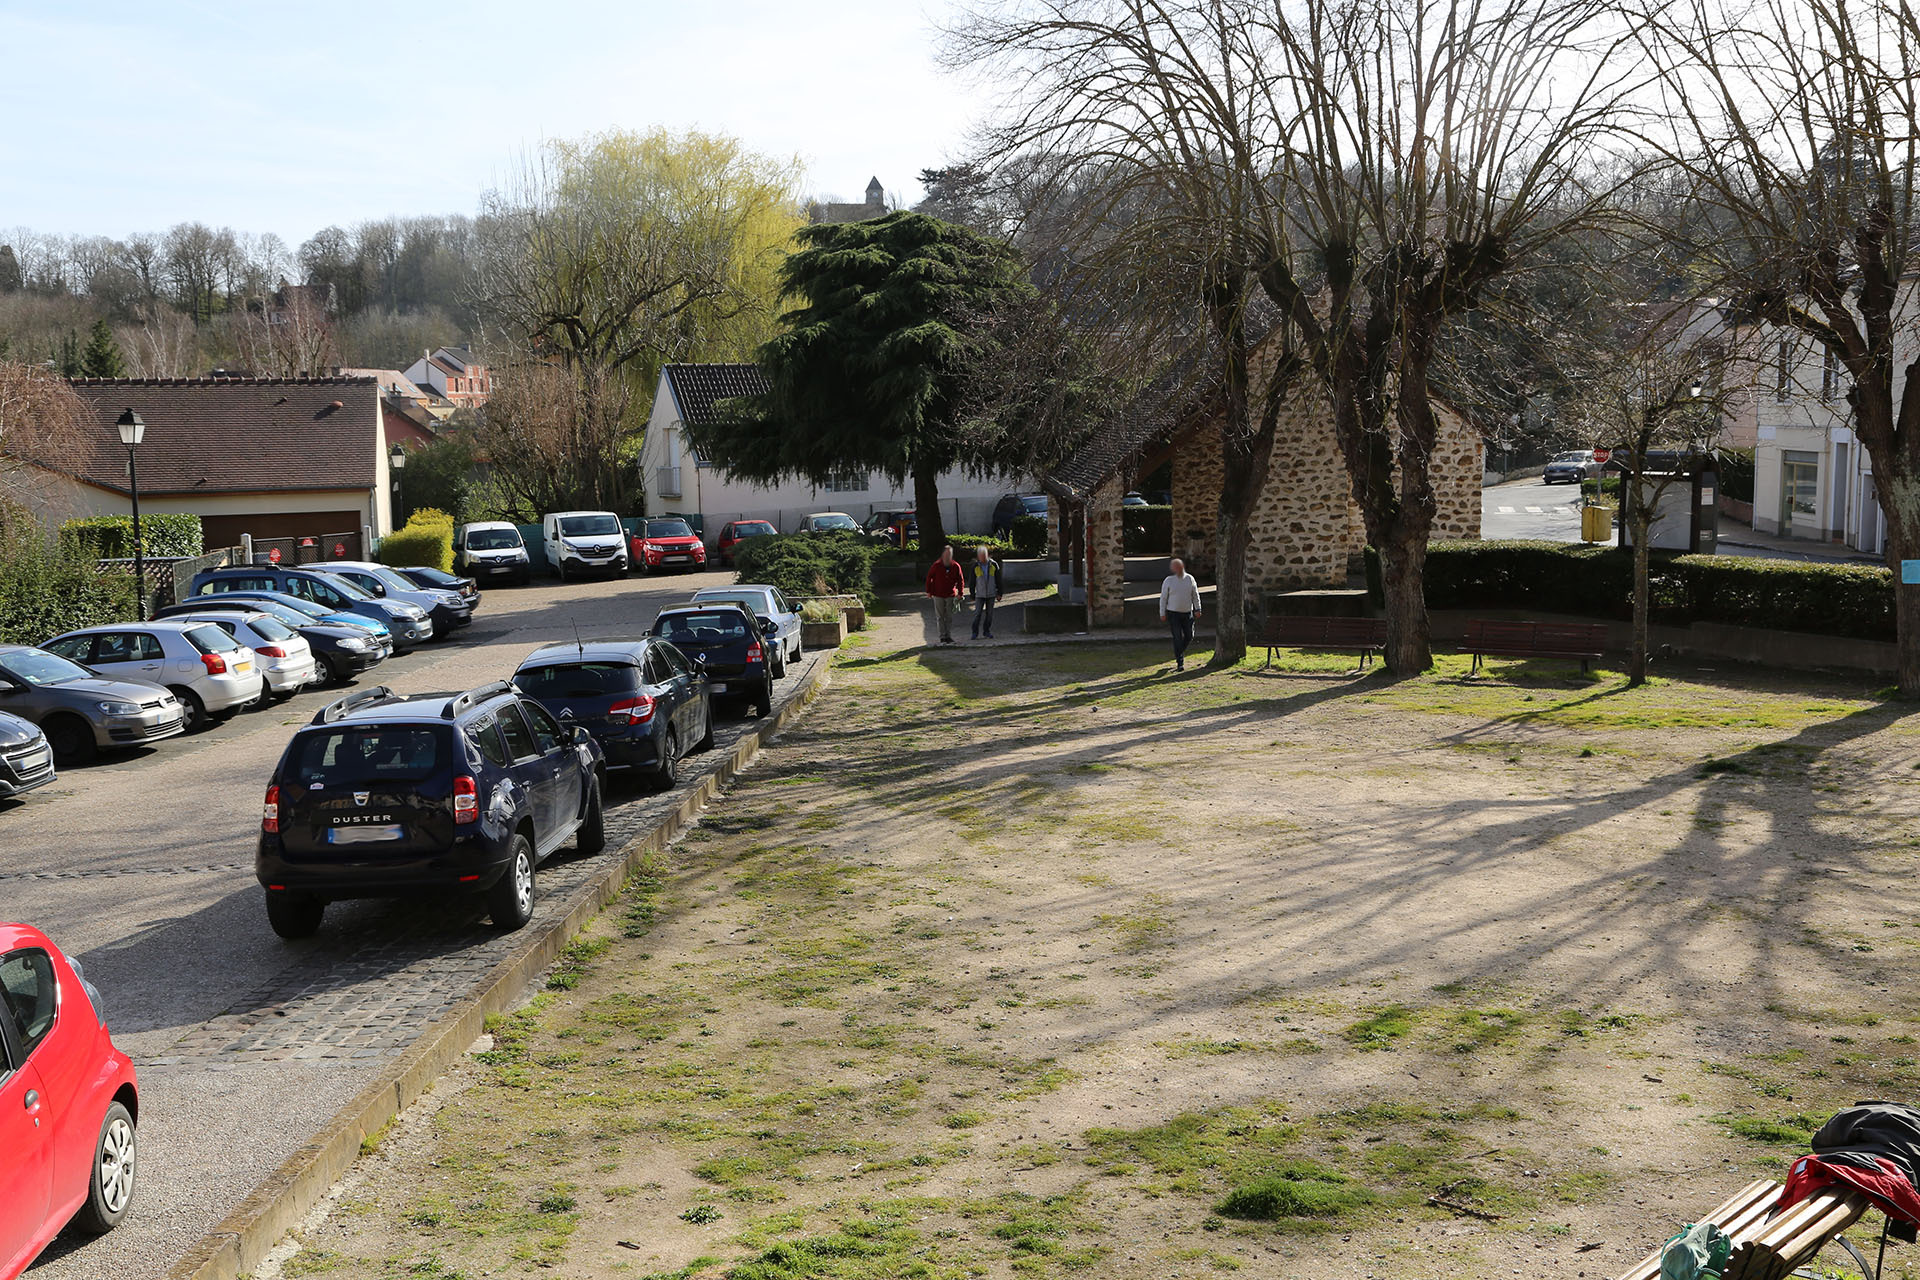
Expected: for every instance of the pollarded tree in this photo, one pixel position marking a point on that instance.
(892, 327)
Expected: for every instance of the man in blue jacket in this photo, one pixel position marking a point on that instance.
(984, 583)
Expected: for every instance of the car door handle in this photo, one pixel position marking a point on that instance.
(33, 1100)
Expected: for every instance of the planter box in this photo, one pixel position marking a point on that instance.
(855, 615)
(821, 635)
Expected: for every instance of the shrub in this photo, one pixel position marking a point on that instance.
(1029, 536)
(811, 564)
(165, 533)
(427, 544)
(46, 590)
(964, 544)
(1854, 601)
(1146, 531)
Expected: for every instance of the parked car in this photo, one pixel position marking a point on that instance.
(408, 622)
(341, 650)
(431, 579)
(491, 550)
(373, 627)
(387, 796)
(766, 603)
(26, 759)
(1134, 499)
(584, 542)
(1014, 505)
(892, 527)
(668, 544)
(449, 610)
(828, 522)
(69, 1103)
(643, 701)
(1571, 468)
(735, 532)
(81, 711)
(285, 658)
(725, 639)
(211, 673)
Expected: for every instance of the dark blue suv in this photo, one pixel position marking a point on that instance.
(408, 623)
(386, 796)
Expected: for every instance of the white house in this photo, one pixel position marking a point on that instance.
(675, 481)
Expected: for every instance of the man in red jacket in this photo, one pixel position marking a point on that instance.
(945, 583)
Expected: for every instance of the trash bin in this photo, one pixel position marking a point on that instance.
(1596, 524)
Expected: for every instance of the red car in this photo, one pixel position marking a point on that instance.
(667, 544)
(732, 535)
(68, 1103)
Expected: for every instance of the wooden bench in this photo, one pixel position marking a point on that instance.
(1365, 636)
(1486, 638)
(1767, 1246)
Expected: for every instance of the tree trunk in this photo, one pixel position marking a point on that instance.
(1639, 527)
(926, 513)
(1234, 531)
(1900, 505)
(1403, 579)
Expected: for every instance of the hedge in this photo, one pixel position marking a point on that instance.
(1029, 536)
(44, 592)
(165, 533)
(422, 543)
(1146, 531)
(811, 564)
(1854, 601)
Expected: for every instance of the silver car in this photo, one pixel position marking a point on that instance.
(210, 672)
(80, 712)
(26, 761)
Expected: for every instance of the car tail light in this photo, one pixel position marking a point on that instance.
(466, 799)
(754, 652)
(637, 710)
(271, 651)
(270, 812)
(214, 663)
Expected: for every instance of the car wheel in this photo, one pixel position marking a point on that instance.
(294, 915)
(562, 572)
(116, 1161)
(510, 901)
(777, 667)
(196, 710)
(592, 835)
(706, 739)
(763, 701)
(667, 773)
(799, 648)
(71, 739)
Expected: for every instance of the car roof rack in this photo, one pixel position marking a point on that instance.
(353, 702)
(474, 697)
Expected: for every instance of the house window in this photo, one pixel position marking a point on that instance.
(1829, 374)
(847, 480)
(1783, 379)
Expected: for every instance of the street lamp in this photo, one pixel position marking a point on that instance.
(132, 432)
(397, 462)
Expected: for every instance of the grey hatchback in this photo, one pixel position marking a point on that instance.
(78, 710)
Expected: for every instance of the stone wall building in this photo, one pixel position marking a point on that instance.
(1306, 527)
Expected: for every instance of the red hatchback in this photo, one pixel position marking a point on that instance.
(68, 1103)
(667, 544)
(738, 532)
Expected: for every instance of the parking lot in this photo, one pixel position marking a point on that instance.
(141, 865)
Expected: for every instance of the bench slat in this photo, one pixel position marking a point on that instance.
(1741, 1212)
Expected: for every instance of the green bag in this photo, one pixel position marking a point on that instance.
(1698, 1253)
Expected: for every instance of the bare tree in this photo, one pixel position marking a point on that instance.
(161, 343)
(539, 435)
(286, 333)
(41, 422)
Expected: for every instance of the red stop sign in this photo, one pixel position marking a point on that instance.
(1601, 455)
(273, 556)
(308, 542)
(339, 550)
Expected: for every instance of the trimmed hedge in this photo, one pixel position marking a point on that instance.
(1854, 601)
(1029, 536)
(44, 592)
(1146, 531)
(811, 564)
(422, 543)
(165, 533)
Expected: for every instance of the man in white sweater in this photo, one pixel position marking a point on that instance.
(1179, 606)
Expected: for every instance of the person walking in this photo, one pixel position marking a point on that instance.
(1179, 606)
(984, 582)
(945, 581)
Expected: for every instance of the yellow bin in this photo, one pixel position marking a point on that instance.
(1596, 524)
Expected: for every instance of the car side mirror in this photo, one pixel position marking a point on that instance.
(580, 734)
(767, 626)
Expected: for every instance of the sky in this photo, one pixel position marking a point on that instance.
(283, 117)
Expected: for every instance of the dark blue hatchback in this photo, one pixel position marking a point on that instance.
(643, 701)
(725, 639)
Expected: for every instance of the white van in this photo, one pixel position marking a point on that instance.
(584, 542)
(490, 549)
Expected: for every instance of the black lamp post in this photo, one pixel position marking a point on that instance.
(132, 432)
(397, 462)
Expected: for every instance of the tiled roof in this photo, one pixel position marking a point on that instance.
(232, 435)
(1151, 418)
(697, 388)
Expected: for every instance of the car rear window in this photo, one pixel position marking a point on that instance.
(347, 755)
(716, 627)
(211, 639)
(750, 527)
(268, 629)
(578, 680)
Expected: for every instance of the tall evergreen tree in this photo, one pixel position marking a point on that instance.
(101, 357)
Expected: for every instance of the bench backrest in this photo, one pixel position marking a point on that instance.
(1543, 637)
(1330, 632)
(1768, 1245)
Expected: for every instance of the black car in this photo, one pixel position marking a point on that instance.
(439, 580)
(724, 638)
(26, 761)
(895, 528)
(1014, 505)
(343, 651)
(643, 701)
(385, 796)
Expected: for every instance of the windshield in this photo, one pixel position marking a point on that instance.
(285, 613)
(751, 528)
(669, 529)
(580, 526)
(834, 522)
(346, 588)
(1035, 505)
(493, 539)
(1578, 455)
(578, 680)
(307, 607)
(435, 576)
(756, 601)
(362, 754)
(37, 667)
(715, 627)
(394, 581)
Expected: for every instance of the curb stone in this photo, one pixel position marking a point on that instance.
(282, 1201)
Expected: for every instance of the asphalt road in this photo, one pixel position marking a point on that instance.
(1531, 509)
(142, 866)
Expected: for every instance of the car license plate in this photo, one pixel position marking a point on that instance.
(34, 761)
(365, 835)
(719, 687)
(243, 666)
